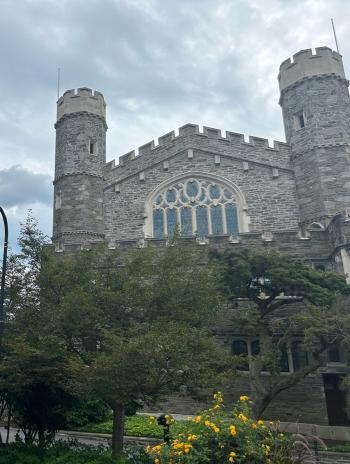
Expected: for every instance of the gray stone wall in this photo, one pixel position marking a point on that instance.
(262, 174)
(304, 402)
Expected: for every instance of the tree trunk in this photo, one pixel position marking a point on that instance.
(8, 424)
(259, 406)
(118, 429)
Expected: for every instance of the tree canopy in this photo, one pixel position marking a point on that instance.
(279, 300)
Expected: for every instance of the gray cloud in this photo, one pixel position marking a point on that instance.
(20, 187)
(159, 63)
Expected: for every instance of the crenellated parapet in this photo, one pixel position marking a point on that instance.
(81, 100)
(209, 139)
(306, 64)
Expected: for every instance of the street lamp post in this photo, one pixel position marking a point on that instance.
(3, 273)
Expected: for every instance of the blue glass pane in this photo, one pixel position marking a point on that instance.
(171, 196)
(186, 221)
(158, 223)
(171, 221)
(227, 194)
(202, 220)
(192, 189)
(202, 195)
(216, 220)
(183, 198)
(158, 199)
(214, 191)
(231, 219)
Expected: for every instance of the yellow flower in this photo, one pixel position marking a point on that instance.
(218, 397)
(254, 426)
(198, 419)
(231, 459)
(207, 423)
(156, 461)
(232, 454)
(233, 431)
(260, 422)
(243, 398)
(242, 417)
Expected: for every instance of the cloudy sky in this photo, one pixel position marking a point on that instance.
(159, 63)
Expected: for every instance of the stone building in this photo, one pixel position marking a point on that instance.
(221, 190)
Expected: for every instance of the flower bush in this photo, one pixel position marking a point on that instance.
(218, 436)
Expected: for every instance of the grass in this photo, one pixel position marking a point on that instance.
(340, 448)
(138, 426)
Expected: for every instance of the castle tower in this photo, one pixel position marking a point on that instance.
(316, 111)
(80, 156)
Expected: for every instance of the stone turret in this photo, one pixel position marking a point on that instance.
(80, 157)
(316, 110)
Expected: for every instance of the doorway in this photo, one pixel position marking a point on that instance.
(335, 400)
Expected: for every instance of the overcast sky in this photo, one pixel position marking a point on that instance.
(159, 63)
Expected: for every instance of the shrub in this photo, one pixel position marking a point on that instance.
(89, 411)
(218, 436)
(59, 453)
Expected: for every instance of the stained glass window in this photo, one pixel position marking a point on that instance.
(186, 221)
(202, 220)
(171, 196)
(214, 191)
(231, 219)
(158, 223)
(192, 189)
(171, 221)
(213, 204)
(216, 220)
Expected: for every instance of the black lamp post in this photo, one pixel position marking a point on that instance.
(163, 420)
(3, 274)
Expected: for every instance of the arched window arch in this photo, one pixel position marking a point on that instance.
(198, 205)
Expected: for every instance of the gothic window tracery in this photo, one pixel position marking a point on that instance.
(197, 206)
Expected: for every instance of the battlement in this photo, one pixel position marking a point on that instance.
(307, 64)
(83, 99)
(231, 139)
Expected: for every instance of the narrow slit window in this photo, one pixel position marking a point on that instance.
(299, 120)
(93, 148)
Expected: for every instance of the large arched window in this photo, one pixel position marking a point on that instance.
(197, 206)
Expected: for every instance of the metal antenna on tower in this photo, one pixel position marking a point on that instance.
(335, 35)
(58, 82)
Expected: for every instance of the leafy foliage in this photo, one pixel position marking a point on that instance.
(61, 452)
(218, 436)
(276, 299)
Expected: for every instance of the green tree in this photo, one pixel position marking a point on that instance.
(35, 385)
(276, 299)
(140, 324)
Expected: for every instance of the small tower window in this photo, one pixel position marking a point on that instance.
(58, 200)
(299, 120)
(93, 147)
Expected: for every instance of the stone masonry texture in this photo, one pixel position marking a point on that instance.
(294, 197)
